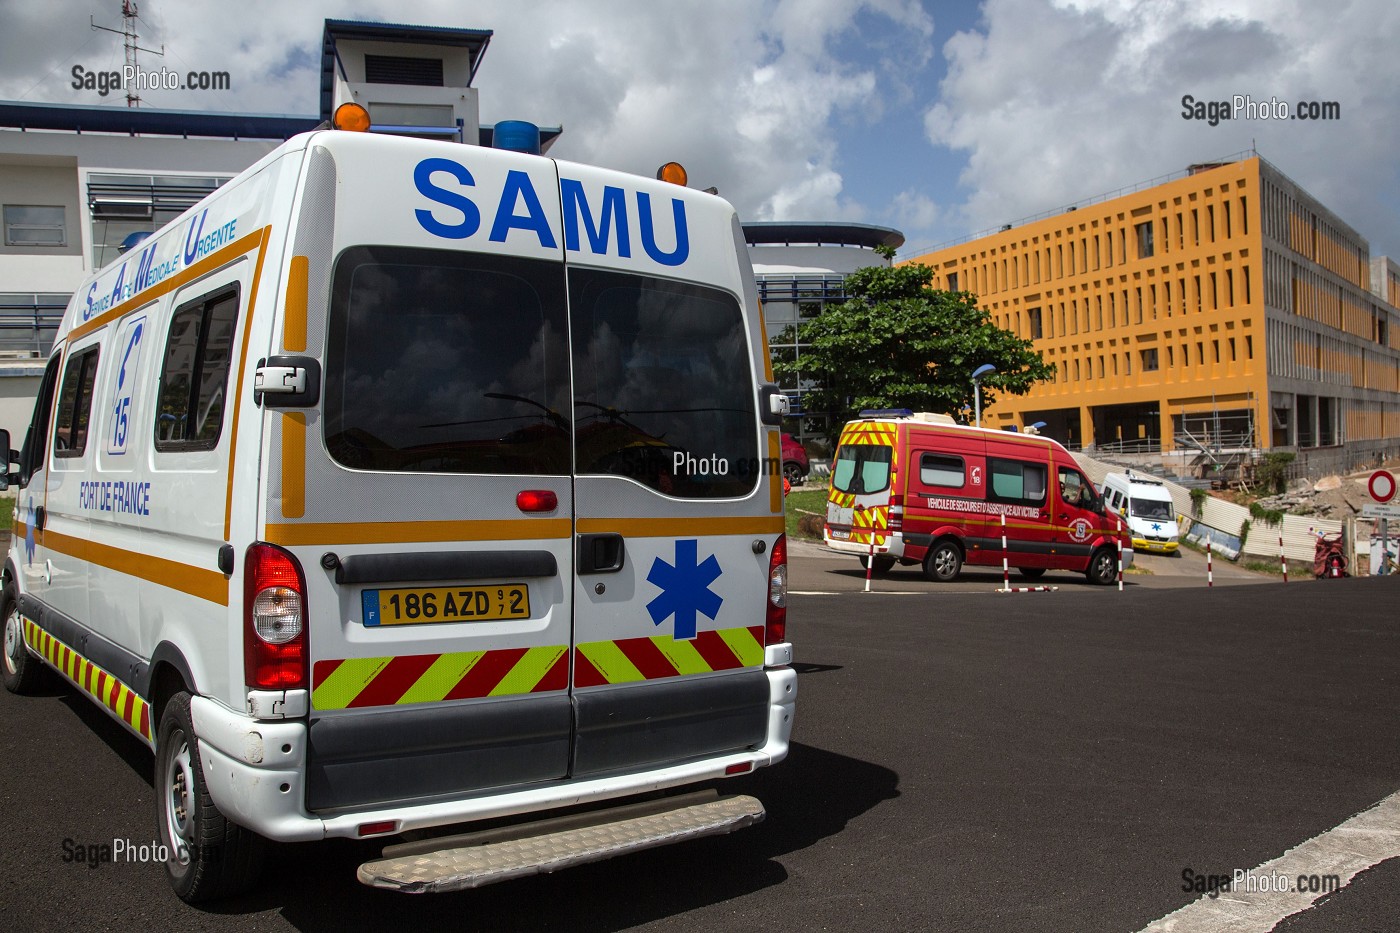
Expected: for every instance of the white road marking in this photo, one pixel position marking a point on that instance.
(1361, 842)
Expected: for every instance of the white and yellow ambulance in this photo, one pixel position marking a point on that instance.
(402, 484)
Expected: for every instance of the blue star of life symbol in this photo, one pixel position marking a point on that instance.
(685, 589)
(1156, 526)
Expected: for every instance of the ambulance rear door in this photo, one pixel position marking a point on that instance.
(427, 496)
(678, 486)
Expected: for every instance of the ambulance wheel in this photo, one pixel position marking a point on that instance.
(882, 564)
(208, 856)
(1103, 567)
(21, 671)
(943, 562)
(1031, 573)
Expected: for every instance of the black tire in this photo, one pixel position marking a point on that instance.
(209, 856)
(883, 564)
(943, 562)
(1103, 567)
(1031, 573)
(21, 671)
(794, 472)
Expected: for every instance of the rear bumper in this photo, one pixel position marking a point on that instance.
(257, 775)
(891, 544)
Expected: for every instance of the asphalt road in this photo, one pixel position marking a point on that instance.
(963, 760)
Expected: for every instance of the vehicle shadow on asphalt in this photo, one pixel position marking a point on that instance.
(809, 797)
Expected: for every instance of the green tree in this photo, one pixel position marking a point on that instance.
(897, 343)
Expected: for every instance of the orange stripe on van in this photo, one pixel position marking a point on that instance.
(775, 479)
(293, 464)
(294, 318)
(196, 581)
(683, 527)
(296, 533)
(266, 234)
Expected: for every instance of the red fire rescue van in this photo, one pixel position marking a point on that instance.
(933, 492)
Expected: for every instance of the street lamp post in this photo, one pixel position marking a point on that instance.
(977, 374)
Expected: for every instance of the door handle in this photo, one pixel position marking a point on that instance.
(602, 552)
(38, 518)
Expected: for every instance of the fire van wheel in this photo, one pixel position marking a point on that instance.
(1103, 567)
(207, 855)
(21, 671)
(882, 564)
(943, 562)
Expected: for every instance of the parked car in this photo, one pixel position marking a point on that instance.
(794, 460)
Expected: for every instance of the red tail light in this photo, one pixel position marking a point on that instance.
(275, 655)
(775, 621)
(896, 513)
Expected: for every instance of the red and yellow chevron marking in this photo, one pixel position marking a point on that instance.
(133, 711)
(353, 683)
(846, 500)
(869, 433)
(628, 660)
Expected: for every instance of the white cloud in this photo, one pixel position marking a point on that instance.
(746, 93)
(1053, 103)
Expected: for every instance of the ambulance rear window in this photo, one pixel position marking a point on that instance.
(663, 385)
(861, 468)
(441, 361)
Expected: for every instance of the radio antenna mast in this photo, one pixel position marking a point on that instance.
(129, 37)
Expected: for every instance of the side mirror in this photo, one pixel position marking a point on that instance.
(10, 457)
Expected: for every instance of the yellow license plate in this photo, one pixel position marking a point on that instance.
(417, 605)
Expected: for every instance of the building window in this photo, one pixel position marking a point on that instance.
(1149, 360)
(952, 281)
(122, 205)
(34, 226)
(1144, 239)
(1033, 319)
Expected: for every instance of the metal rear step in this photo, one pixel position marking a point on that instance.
(452, 863)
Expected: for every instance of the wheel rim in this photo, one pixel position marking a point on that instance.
(945, 562)
(178, 782)
(1105, 568)
(14, 640)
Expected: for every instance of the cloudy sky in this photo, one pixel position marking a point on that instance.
(939, 119)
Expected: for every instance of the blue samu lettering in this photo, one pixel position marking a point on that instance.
(606, 231)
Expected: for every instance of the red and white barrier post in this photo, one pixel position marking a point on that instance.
(1005, 563)
(1118, 542)
(869, 561)
(1210, 572)
(1282, 558)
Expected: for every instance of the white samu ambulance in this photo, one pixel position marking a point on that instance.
(362, 494)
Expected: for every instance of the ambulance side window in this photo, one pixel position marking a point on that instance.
(194, 378)
(31, 455)
(1016, 482)
(942, 470)
(75, 404)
